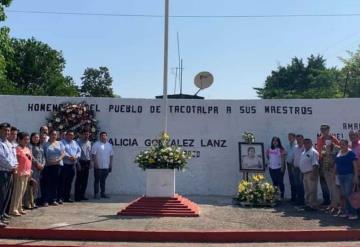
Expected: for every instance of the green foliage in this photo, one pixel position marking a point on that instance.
(30, 66)
(5, 46)
(34, 68)
(298, 80)
(97, 83)
(351, 75)
(3, 4)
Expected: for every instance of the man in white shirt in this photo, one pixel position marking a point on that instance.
(102, 157)
(309, 166)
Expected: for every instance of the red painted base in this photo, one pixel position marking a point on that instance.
(236, 236)
(177, 206)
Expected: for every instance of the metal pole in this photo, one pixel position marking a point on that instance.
(181, 73)
(178, 46)
(165, 78)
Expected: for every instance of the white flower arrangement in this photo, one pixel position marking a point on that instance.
(162, 156)
(248, 137)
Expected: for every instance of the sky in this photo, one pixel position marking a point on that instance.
(239, 52)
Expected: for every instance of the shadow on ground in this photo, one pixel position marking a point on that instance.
(324, 218)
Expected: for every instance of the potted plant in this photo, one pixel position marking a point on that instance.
(159, 163)
(256, 192)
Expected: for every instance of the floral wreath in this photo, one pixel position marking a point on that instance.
(74, 116)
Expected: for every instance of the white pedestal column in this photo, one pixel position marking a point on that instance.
(160, 182)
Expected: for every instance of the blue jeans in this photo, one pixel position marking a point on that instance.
(346, 187)
(277, 178)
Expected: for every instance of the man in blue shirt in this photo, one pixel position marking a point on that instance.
(72, 154)
(12, 144)
(7, 168)
(82, 171)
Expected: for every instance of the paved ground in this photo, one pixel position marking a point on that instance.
(217, 213)
(126, 244)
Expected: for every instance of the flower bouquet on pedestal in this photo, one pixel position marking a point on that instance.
(159, 163)
(257, 192)
(162, 155)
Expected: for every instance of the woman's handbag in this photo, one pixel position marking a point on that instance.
(354, 198)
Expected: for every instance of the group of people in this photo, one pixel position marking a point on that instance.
(39, 169)
(335, 163)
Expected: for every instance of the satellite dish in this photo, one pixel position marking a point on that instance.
(203, 80)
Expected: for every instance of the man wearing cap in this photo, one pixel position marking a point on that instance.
(325, 132)
(7, 167)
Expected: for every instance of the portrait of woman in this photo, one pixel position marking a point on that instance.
(251, 157)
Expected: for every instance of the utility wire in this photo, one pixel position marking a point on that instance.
(343, 40)
(184, 16)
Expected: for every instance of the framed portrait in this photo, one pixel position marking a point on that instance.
(251, 157)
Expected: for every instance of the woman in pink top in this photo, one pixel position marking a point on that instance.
(22, 174)
(276, 157)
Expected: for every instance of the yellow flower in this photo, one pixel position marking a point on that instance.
(258, 177)
(243, 186)
(165, 136)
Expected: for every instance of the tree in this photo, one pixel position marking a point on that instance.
(96, 83)
(30, 66)
(34, 68)
(5, 48)
(298, 80)
(3, 4)
(351, 75)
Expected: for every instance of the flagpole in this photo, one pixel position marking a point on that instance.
(165, 76)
